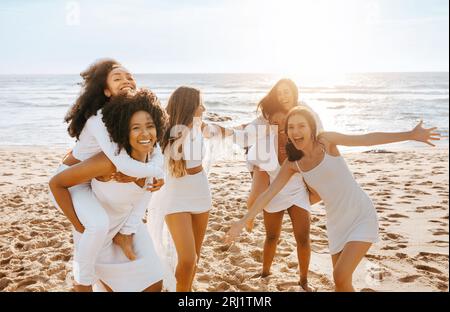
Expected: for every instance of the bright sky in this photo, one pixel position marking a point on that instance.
(238, 36)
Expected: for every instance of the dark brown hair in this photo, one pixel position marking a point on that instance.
(92, 96)
(270, 105)
(118, 112)
(292, 152)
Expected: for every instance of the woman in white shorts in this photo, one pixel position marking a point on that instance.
(185, 199)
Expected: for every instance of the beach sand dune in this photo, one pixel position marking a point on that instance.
(408, 188)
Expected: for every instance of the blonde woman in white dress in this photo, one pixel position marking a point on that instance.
(127, 260)
(352, 224)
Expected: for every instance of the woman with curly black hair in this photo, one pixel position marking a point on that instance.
(135, 122)
(103, 79)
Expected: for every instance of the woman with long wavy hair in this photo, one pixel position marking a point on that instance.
(185, 199)
(294, 198)
(135, 122)
(102, 80)
(352, 225)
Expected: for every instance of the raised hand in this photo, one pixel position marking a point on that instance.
(421, 134)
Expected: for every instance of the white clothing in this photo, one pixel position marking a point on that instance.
(255, 129)
(126, 205)
(351, 215)
(94, 138)
(294, 192)
(194, 148)
(190, 193)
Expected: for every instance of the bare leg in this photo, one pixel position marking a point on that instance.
(180, 227)
(272, 222)
(156, 287)
(260, 183)
(108, 289)
(301, 223)
(199, 225)
(345, 264)
(82, 288)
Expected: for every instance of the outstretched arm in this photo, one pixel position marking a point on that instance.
(286, 172)
(123, 162)
(419, 134)
(96, 166)
(212, 130)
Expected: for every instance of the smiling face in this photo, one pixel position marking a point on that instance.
(299, 131)
(119, 80)
(285, 96)
(143, 135)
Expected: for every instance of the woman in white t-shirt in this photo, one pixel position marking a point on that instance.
(102, 80)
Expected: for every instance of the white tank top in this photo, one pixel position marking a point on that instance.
(194, 148)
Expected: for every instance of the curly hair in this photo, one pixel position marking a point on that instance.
(118, 112)
(92, 96)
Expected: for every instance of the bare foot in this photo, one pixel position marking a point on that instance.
(262, 275)
(125, 242)
(304, 284)
(82, 288)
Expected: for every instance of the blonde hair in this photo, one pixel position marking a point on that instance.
(181, 109)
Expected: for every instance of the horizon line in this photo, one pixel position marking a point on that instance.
(244, 73)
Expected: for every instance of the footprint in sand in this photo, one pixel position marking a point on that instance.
(394, 247)
(223, 286)
(368, 290)
(256, 255)
(393, 236)
(442, 286)
(401, 255)
(428, 269)
(403, 202)
(25, 282)
(397, 215)
(427, 256)
(408, 196)
(438, 222)
(409, 278)
(439, 232)
(4, 282)
(289, 286)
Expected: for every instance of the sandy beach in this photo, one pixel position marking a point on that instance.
(408, 188)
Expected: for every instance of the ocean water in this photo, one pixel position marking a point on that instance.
(32, 108)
